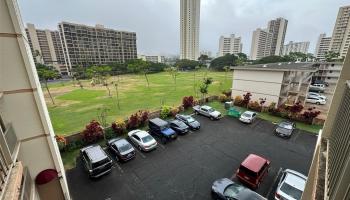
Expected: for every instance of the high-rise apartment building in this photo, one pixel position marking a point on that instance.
(230, 45)
(189, 29)
(329, 174)
(302, 47)
(207, 53)
(341, 32)
(322, 46)
(278, 28)
(87, 45)
(46, 48)
(31, 167)
(152, 58)
(261, 44)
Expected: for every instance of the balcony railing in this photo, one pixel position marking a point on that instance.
(27, 186)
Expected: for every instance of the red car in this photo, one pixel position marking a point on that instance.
(252, 170)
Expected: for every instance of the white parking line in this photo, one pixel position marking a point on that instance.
(273, 183)
(296, 135)
(162, 146)
(140, 153)
(119, 168)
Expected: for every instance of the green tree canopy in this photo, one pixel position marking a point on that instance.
(331, 56)
(220, 62)
(272, 59)
(185, 64)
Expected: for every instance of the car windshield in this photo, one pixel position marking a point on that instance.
(190, 120)
(124, 147)
(101, 162)
(147, 138)
(291, 191)
(233, 190)
(285, 125)
(211, 110)
(164, 127)
(246, 115)
(247, 171)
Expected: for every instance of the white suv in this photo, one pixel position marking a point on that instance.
(316, 100)
(291, 185)
(314, 94)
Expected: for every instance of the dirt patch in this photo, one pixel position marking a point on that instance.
(85, 108)
(60, 103)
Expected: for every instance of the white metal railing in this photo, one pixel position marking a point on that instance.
(27, 186)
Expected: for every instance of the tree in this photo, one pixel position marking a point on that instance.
(220, 62)
(117, 91)
(203, 88)
(203, 59)
(139, 66)
(246, 98)
(185, 64)
(241, 59)
(272, 59)
(173, 71)
(227, 69)
(46, 73)
(102, 117)
(331, 56)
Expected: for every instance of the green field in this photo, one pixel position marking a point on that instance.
(75, 107)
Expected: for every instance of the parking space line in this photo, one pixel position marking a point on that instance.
(162, 146)
(140, 152)
(119, 168)
(296, 136)
(273, 183)
(178, 138)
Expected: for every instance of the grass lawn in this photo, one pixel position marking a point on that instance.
(75, 107)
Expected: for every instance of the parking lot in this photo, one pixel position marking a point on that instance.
(187, 167)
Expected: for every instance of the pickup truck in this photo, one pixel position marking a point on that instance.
(207, 111)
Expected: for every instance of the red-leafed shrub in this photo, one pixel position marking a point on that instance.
(119, 127)
(61, 142)
(133, 121)
(246, 98)
(93, 132)
(143, 117)
(296, 108)
(254, 106)
(187, 102)
(310, 114)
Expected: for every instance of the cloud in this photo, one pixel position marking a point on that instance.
(156, 22)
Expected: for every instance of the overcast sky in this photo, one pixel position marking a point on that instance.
(156, 22)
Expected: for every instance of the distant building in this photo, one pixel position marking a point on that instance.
(189, 29)
(278, 28)
(87, 45)
(328, 72)
(230, 45)
(208, 53)
(46, 48)
(276, 82)
(261, 44)
(302, 47)
(322, 46)
(155, 59)
(341, 32)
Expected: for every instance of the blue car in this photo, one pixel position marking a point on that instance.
(162, 130)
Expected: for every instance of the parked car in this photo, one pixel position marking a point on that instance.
(247, 117)
(252, 170)
(317, 88)
(189, 121)
(226, 189)
(178, 126)
(123, 150)
(207, 111)
(316, 100)
(161, 129)
(142, 140)
(320, 82)
(95, 161)
(291, 185)
(285, 129)
(314, 94)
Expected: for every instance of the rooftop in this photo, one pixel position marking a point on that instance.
(254, 162)
(285, 66)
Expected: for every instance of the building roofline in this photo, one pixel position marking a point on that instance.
(94, 27)
(285, 66)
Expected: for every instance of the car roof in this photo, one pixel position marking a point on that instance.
(254, 162)
(95, 153)
(249, 112)
(139, 133)
(175, 121)
(206, 107)
(295, 179)
(158, 122)
(119, 141)
(286, 122)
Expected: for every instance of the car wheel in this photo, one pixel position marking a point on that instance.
(318, 103)
(212, 118)
(196, 112)
(139, 147)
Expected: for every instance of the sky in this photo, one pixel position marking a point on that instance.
(157, 24)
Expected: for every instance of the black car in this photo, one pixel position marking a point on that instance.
(122, 149)
(178, 126)
(226, 189)
(161, 129)
(285, 129)
(95, 161)
(189, 121)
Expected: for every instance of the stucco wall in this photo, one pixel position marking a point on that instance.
(262, 84)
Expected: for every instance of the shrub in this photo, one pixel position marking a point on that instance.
(75, 145)
(246, 98)
(227, 93)
(223, 98)
(93, 132)
(310, 114)
(187, 102)
(61, 142)
(109, 133)
(272, 107)
(174, 111)
(119, 127)
(143, 117)
(133, 121)
(254, 106)
(238, 100)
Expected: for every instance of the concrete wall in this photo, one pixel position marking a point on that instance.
(262, 84)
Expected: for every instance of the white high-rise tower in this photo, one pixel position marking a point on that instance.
(189, 29)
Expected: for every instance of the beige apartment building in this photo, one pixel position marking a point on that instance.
(189, 29)
(87, 45)
(261, 44)
(329, 174)
(30, 164)
(281, 83)
(278, 28)
(341, 32)
(46, 48)
(328, 72)
(230, 45)
(302, 47)
(322, 46)
(154, 59)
